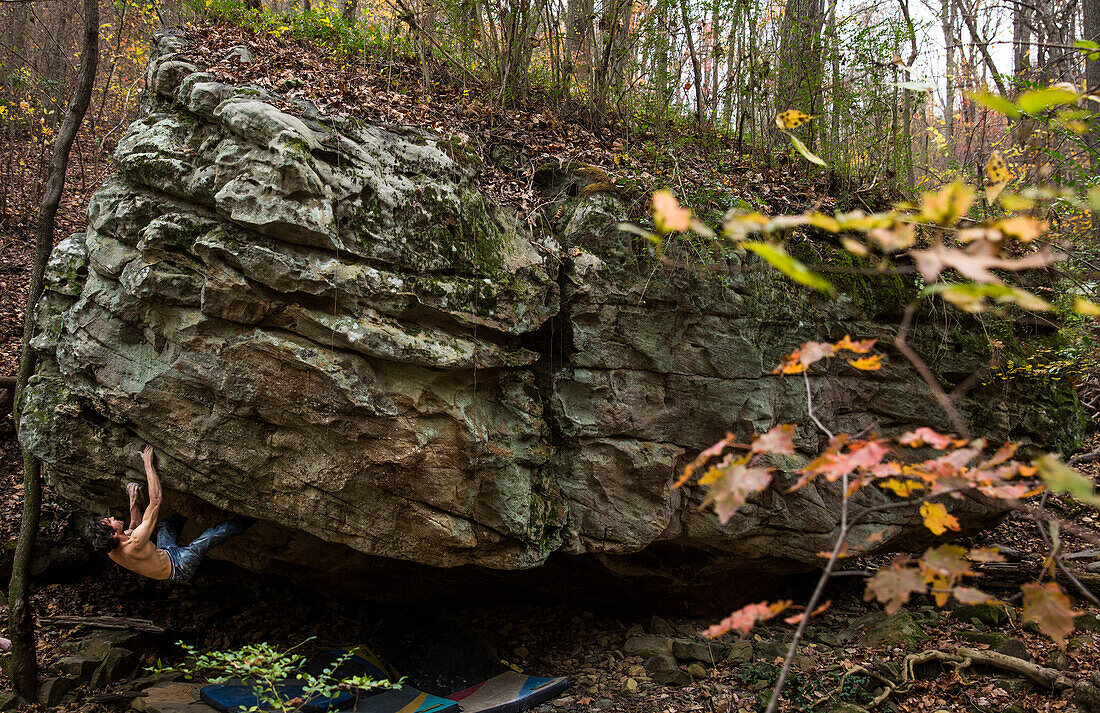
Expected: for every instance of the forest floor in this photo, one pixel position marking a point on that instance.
(226, 607)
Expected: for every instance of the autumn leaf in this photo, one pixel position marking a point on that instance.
(1060, 478)
(1022, 227)
(898, 236)
(971, 297)
(1038, 99)
(937, 519)
(947, 205)
(976, 261)
(806, 153)
(797, 618)
(1048, 607)
(947, 562)
(861, 347)
(668, 216)
(925, 435)
(834, 463)
(745, 618)
(736, 482)
(985, 554)
(969, 595)
(782, 261)
(777, 440)
(812, 352)
(1085, 307)
(997, 103)
(901, 488)
(996, 176)
(712, 452)
(791, 119)
(791, 364)
(894, 584)
(867, 363)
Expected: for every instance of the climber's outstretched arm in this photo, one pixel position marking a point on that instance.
(133, 489)
(149, 520)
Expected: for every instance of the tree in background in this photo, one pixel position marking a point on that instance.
(21, 616)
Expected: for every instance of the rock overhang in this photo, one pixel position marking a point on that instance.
(325, 325)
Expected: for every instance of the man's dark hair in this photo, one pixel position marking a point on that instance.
(100, 535)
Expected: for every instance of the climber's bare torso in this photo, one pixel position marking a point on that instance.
(139, 554)
(136, 551)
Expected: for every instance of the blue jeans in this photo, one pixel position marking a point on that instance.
(185, 560)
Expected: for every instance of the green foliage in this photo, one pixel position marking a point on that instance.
(264, 667)
(323, 28)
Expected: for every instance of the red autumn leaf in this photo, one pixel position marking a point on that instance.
(1048, 607)
(745, 618)
(732, 487)
(778, 440)
(1003, 454)
(892, 585)
(667, 213)
(925, 435)
(949, 464)
(703, 457)
(816, 351)
(834, 464)
(1010, 491)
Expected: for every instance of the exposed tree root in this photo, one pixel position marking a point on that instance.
(1086, 691)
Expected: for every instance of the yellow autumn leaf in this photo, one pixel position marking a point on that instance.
(1086, 307)
(996, 176)
(1022, 227)
(937, 519)
(901, 488)
(791, 119)
(867, 363)
(1015, 202)
(948, 204)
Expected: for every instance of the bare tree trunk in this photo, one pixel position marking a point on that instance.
(983, 46)
(948, 24)
(834, 90)
(1090, 28)
(21, 617)
(798, 76)
(907, 107)
(700, 106)
(578, 43)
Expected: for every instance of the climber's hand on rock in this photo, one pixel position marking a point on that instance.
(132, 489)
(147, 455)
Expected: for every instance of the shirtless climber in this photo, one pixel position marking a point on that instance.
(131, 548)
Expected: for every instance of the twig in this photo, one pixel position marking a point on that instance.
(929, 378)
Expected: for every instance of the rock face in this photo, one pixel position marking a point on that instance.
(324, 325)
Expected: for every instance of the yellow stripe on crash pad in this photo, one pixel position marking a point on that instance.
(414, 704)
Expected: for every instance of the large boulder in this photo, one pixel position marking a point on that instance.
(325, 325)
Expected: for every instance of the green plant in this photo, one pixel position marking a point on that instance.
(265, 668)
